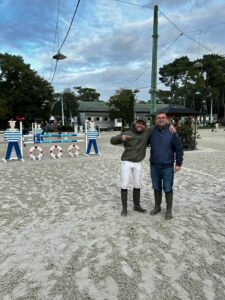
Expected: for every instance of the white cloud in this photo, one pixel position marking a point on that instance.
(110, 43)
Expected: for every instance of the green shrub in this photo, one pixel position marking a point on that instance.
(186, 134)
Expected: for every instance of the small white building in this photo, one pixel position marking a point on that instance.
(99, 113)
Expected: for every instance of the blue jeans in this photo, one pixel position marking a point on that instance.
(38, 138)
(9, 150)
(90, 143)
(162, 178)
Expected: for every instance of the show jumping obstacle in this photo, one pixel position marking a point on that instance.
(36, 152)
(55, 151)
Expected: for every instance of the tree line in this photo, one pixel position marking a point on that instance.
(190, 83)
(195, 83)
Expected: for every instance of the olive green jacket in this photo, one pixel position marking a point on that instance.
(135, 147)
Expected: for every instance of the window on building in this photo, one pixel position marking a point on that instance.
(97, 119)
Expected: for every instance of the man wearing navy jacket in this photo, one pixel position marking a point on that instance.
(166, 158)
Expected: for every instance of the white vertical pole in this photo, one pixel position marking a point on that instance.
(21, 138)
(62, 110)
(86, 138)
(211, 110)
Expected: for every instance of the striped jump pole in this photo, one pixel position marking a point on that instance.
(54, 141)
(59, 135)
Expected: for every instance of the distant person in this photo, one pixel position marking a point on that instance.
(216, 126)
(38, 132)
(25, 131)
(166, 157)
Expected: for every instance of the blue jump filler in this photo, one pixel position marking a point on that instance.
(92, 136)
(12, 137)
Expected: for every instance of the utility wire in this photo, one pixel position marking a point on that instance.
(170, 45)
(64, 40)
(143, 87)
(56, 36)
(71, 23)
(167, 42)
(206, 28)
(139, 76)
(53, 76)
(132, 3)
(185, 34)
(160, 56)
(200, 44)
(148, 86)
(173, 41)
(57, 26)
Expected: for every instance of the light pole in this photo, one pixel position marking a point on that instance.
(199, 65)
(211, 108)
(204, 111)
(154, 60)
(60, 99)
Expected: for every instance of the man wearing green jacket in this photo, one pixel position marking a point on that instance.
(135, 141)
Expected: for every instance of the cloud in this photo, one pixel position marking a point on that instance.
(110, 43)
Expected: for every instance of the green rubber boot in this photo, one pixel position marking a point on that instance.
(158, 201)
(124, 202)
(169, 204)
(136, 199)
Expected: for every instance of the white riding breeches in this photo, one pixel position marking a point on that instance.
(127, 168)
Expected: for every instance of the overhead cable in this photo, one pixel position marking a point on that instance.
(132, 3)
(185, 34)
(71, 23)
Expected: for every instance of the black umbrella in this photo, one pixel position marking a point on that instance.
(178, 110)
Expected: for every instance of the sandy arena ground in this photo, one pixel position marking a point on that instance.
(62, 236)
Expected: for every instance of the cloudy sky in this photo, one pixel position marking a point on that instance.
(110, 43)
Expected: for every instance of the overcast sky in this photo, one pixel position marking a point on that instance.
(110, 43)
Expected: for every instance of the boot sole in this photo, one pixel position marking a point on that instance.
(123, 214)
(152, 213)
(141, 210)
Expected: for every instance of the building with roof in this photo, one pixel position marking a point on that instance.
(99, 113)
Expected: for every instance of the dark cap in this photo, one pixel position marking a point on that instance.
(143, 120)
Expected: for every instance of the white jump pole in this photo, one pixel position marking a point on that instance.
(21, 138)
(32, 128)
(86, 137)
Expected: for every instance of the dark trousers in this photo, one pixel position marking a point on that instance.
(9, 150)
(162, 179)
